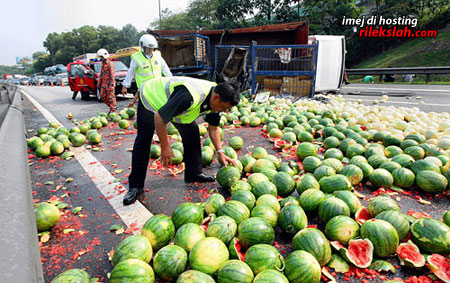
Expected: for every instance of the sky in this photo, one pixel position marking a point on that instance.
(26, 23)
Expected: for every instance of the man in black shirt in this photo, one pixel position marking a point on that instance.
(220, 98)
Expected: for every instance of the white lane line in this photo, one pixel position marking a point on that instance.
(400, 102)
(135, 214)
(396, 89)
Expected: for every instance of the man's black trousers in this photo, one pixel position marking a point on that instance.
(141, 148)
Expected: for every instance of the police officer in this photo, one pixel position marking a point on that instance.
(145, 64)
(180, 100)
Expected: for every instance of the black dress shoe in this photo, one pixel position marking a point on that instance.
(132, 195)
(201, 178)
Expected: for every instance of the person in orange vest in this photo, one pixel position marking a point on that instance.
(107, 80)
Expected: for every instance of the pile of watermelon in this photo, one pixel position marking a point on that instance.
(327, 151)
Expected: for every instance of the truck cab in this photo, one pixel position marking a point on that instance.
(84, 75)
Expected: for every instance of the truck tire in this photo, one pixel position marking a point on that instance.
(99, 98)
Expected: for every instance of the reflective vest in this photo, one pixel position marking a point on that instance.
(155, 93)
(147, 69)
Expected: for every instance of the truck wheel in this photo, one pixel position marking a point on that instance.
(99, 98)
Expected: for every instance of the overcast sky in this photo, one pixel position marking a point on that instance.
(26, 23)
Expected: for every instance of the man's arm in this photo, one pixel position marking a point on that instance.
(166, 151)
(130, 75)
(165, 68)
(214, 134)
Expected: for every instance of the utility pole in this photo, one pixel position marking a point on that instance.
(160, 23)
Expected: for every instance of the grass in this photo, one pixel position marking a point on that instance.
(421, 52)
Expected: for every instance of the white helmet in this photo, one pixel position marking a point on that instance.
(149, 41)
(103, 53)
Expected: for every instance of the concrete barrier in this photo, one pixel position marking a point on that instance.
(19, 247)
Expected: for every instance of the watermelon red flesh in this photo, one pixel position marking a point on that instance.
(409, 255)
(439, 266)
(362, 215)
(360, 253)
(235, 249)
(206, 221)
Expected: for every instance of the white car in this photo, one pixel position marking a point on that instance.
(62, 78)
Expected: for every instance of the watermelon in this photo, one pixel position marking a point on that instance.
(213, 203)
(383, 236)
(376, 160)
(228, 176)
(263, 257)
(188, 235)
(187, 213)
(262, 163)
(404, 160)
(415, 152)
(359, 253)
(390, 166)
(306, 149)
(431, 182)
(335, 183)
(305, 137)
(354, 150)
(350, 199)
(47, 216)
(244, 197)
(223, 228)
(270, 275)
(409, 255)
(194, 276)
(392, 151)
(270, 201)
(439, 266)
(159, 230)
(240, 185)
(305, 182)
(263, 188)
(398, 220)
(334, 163)
(423, 165)
(302, 267)
(353, 173)
(170, 262)
(331, 142)
(254, 231)
(314, 242)
(431, 235)
(256, 178)
(72, 275)
(136, 246)
(269, 173)
(234, 248)
(234, 209)
(259, 152)
(403, 178)
(284, 183)
(207, 157)
(362, 215)
(132, 270)
(382, 265)
(288, 201)
(292, 219)
(311, 163)
(208, 255)
(381, 178)
(247, 162)
(446, 217)
(333, 153)
(382, 203)
(338, 264)
(342, 228)
(236, 143)
(235, 271)
(311, 199)
(332, 207)
(267, 213)
(324, 171)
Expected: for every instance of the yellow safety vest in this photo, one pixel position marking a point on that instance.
(147, 69)
(155, 93)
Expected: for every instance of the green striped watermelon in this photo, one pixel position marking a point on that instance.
(431, 235)
(188, 235)
(446, 217)
(380, 204)
(269, 200)
(263, 257)
(342, 228)
(254, 231)
(234, 209)
(305, 182)
(136, 246)
(311, 163)
(353, 173)
(213, 203)
(302, 267)
(376, 160)
(235, 271)
(324, 171)
(314, 242)
(239, 185)
(270, 275)
(390, 166)
(311, 199)
(170, 262)
(132, 270)
(292, 219)
(381, 178)
(187, 213)
(403, 178)
(72, 275)
(263, 188)
(244, 197)
(262, 163)
(404, 160)
(194, 276)
(228, 176)
(267, 213)
(284, 183)
(350, 199)
(415, 152)
(256, 178)
(223, 228)
(332, 207)
(334, 163)
(383, 236)
(335, 183)
(431, 182)
(398, 220)
(159, 230)
(208, 255)
(306, 149)
(47, 216)
(333, 153)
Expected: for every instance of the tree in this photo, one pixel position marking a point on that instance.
(52, 43)
(232, 13)
(287, 12)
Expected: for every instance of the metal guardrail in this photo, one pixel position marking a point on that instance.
(20, 256)
(401, 71)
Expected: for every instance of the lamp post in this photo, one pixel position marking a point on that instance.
(160, 23)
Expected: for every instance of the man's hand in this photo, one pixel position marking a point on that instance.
(124, 90)
(225, 159)
(166, 155)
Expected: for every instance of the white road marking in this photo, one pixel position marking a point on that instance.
(135, 214)
(399, 102)
(366, 88)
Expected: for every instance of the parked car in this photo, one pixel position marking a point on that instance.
(49, 80)
(25, 80)
(62, 78)
(15, 81)
(38, 79)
